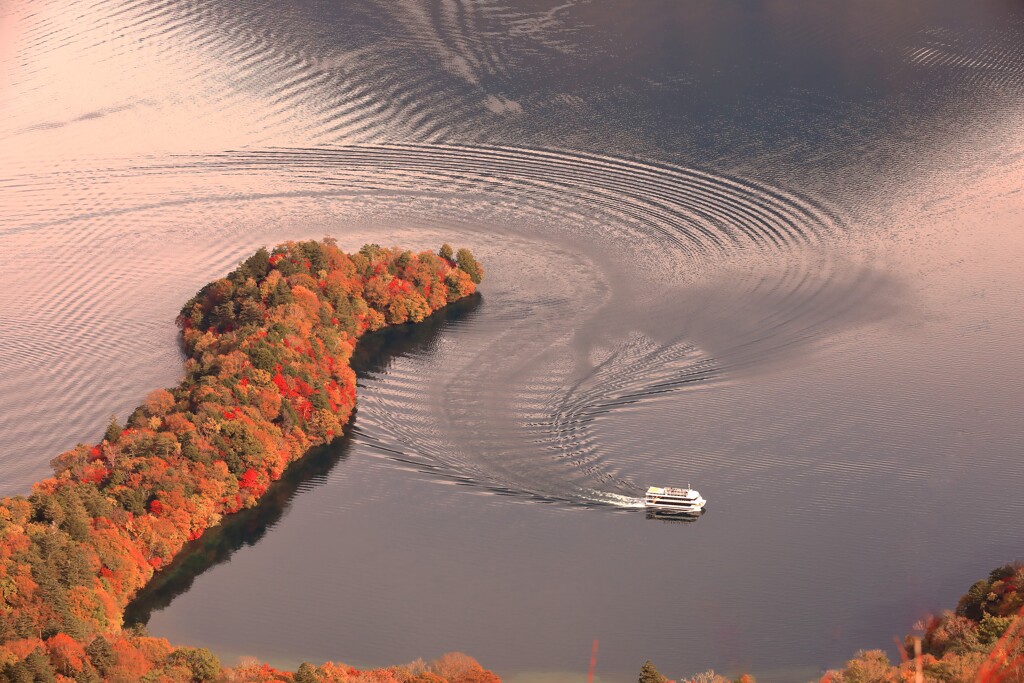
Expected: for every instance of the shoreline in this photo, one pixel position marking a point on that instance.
(248, 526)
(268, 378)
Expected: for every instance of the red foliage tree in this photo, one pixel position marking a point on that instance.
(266, 378)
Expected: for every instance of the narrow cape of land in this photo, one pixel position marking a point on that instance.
(267, 377)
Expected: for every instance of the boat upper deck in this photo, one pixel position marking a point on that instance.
(669, 491)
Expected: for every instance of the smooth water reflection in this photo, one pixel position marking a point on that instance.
(772, 248)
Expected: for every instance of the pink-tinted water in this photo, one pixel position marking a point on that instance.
(773, 249)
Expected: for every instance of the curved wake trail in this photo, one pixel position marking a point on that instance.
(677, 280)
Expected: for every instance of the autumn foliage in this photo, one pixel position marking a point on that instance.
(981, 641)
(267, 377)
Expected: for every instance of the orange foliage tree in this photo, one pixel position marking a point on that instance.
(981, 641)
(267, 376)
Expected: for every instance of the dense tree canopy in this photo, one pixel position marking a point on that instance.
(266, 378)
(983, 640)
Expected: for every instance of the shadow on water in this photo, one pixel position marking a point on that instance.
(373, 354)
(674, 517)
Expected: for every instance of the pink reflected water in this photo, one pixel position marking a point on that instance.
(771, 249)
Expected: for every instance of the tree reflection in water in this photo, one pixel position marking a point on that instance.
(373, 354)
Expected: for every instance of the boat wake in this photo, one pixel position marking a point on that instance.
(611, 283)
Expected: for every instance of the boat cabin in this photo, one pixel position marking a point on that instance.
(668, 497)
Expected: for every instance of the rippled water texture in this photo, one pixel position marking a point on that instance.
(773, 249)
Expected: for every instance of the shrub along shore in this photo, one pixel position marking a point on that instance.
(981, 641)
(267, 377)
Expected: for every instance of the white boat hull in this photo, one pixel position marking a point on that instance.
(669, 498)
(694, 507)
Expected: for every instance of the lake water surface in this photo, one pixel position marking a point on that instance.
(774, 249)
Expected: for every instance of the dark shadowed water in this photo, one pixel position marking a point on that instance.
(774, 249)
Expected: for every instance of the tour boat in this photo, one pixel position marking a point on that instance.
(668, 498)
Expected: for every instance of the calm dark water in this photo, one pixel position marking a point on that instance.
(775, 249)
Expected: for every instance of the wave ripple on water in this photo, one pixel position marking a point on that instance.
(619, 281)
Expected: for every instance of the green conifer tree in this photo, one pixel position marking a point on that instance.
(203, 664)
(39, 665)
(114, 430)
(650, 674)
(467, 262)
(101, 654)
(87, 675)
(307, 673)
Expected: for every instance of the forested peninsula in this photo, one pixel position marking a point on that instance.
(267, 377)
